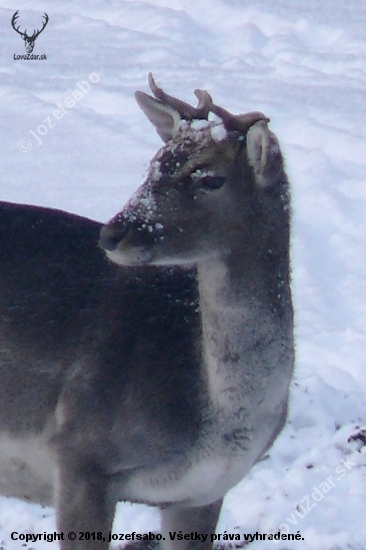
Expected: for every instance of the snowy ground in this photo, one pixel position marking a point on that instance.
(303, 63)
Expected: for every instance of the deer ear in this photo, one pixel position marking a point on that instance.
(164, 118)
(264, 154)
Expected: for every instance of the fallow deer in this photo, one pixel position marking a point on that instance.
(161, 376)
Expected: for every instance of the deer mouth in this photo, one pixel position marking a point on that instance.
(133, 257)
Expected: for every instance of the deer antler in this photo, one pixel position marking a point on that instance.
(13, 21)
(188, 112)
(34, 36)
(24, 35)
(239, 123)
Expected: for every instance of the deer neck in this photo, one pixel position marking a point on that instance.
(241, 331)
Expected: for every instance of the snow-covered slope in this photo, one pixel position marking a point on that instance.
(304, 65)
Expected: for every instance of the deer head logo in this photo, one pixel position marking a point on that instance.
(28, 40)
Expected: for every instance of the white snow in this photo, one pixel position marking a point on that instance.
(303, 64)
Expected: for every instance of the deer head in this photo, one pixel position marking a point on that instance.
(28, 40)
(214, 185)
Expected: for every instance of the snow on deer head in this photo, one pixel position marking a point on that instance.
(205, 187)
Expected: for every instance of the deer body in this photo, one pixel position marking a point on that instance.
(75, 320)
(162, 376)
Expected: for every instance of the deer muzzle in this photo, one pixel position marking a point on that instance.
(112, 235)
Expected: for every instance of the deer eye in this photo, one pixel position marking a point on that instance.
(213, 182)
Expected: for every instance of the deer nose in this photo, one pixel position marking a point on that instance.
(111, 235)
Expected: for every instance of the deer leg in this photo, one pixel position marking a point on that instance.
(189, 521)
(83, 507)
